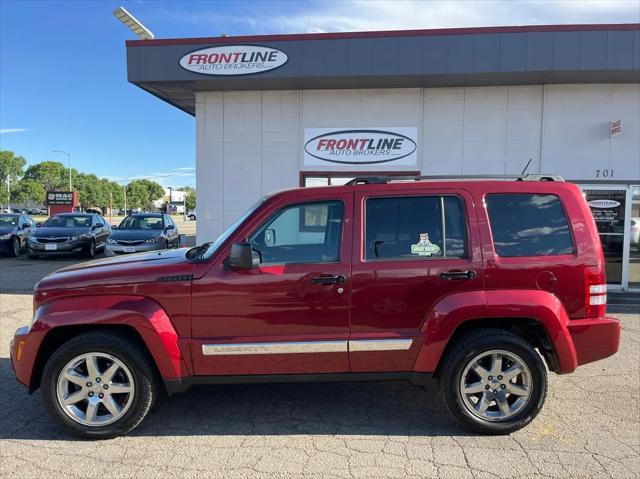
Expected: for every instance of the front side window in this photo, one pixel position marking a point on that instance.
(528, 225)
(303, 233)
(416, 227)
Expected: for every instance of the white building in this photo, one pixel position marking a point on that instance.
(282, 111)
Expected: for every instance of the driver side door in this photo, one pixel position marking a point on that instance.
(290, 313)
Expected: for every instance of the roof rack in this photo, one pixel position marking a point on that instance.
(372, 180)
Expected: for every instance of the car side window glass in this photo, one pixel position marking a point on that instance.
(528, 225)
(414, 227)
(302, 233)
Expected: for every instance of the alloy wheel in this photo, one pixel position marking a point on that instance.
(496, 385)
(16, 247)
(95, 389)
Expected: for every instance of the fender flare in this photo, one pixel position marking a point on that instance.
(144, 315)
(458, 308)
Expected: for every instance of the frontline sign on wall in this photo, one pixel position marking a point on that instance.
(233, 60)
(360, 146)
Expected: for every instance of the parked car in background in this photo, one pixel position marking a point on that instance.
(192, 215)
(635, 233)
(79, 233)
(143, 232)
(14, 233)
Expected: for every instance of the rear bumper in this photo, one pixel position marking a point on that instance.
(594, 338)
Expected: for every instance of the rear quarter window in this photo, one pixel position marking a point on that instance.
(528, 225)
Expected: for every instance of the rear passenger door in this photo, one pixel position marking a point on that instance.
(416, 247)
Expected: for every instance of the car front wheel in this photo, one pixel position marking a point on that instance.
(16, 248)
(90, 249)
(493, 382)
(98, 385)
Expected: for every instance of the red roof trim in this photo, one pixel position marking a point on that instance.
(386, 33)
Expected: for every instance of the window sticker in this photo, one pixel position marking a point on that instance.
(424, 247)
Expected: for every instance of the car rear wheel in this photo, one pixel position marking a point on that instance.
(98, 385)
(493, 382)
(15, 247)
(192, 217)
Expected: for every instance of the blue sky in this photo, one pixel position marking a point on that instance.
(63, 72)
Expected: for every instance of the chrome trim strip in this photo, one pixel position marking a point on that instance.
(288, 347)
(399, 344)
(302, 347)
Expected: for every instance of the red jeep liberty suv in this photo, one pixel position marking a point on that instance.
(484, 285)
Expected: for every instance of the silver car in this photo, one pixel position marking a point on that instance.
(143, 232)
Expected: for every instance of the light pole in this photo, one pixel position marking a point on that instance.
(69, 158)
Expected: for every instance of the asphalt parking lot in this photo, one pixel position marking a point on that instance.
(589, 427)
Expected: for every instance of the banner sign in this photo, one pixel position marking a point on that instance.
(233, 60)
(59, 198)
(366, 146)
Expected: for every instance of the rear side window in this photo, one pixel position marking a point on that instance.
(528, 225)
(416, 227)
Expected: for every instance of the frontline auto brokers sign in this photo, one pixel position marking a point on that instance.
(233, 60)
(367, 146)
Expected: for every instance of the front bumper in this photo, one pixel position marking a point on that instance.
(21, 356)
(115, 249)
(594, 338)
(68, 247)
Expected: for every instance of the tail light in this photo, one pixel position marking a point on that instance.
(596, 293)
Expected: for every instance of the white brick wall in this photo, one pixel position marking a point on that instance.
(251, 143)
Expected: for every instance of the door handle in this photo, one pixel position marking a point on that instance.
(339, 279)
(451, 275)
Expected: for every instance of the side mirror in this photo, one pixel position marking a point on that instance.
(241, 256)
(38, 225)
(270, 237)
(25, 226)
(115, 227)
(96, 226)
(171, 227)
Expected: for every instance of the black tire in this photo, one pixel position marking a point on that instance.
(192, 217)
(117, 345)
(166, 244)
(16, 247)
(467, 348)
(90, 250)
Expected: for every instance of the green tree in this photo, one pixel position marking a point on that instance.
(52, 175)
(10, 170)
(190, 200)
(141, 193)
(28, 190)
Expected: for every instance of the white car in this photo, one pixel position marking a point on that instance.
(192, 215)
(635, 232)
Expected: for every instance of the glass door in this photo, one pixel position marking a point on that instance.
(634, 238)
(608, 206)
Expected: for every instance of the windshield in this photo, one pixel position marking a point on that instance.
(8, 221)
(141, 222)
(212, 247)
(68, 221)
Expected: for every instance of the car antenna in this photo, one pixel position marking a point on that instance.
(526, 166)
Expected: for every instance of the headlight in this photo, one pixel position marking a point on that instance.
(32, 240)
(4, 237)
(152, 240)
(80, 237)
(112, 241)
